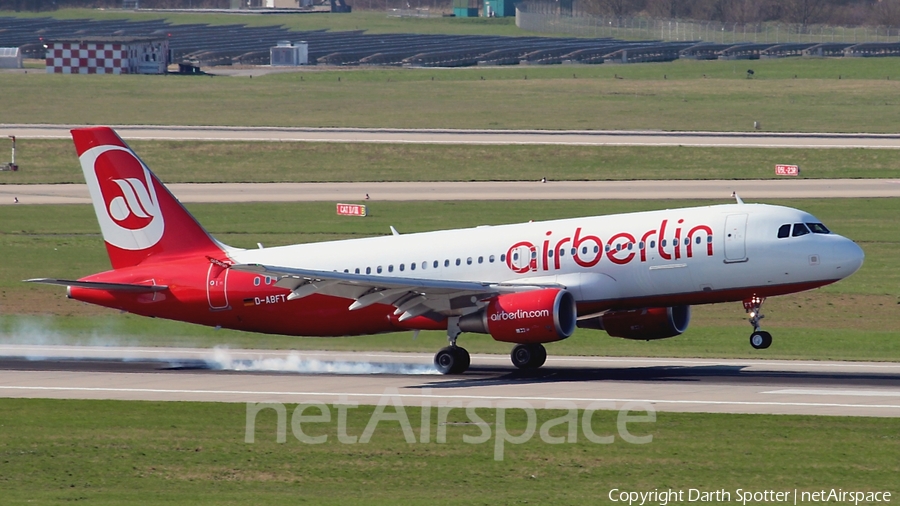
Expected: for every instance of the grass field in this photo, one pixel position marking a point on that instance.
(113, 452)
(854, 319)
(54, 161)
(677, 96)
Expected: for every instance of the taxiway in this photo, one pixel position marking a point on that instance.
(449, 136)
(489, 190)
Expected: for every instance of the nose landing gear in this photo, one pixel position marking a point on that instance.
(759, 339)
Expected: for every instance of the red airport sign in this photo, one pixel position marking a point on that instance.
(351, 210)
(787, 170)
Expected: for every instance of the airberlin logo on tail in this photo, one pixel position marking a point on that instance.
(124, 197)
(133, 205)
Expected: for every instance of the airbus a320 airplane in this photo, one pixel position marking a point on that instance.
(632, 275)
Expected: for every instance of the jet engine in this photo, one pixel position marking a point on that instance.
(644, 324)
(537, 316)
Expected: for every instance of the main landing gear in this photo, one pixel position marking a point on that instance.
(759, 339)
(452, 359)
(528, 356)
(455, 360)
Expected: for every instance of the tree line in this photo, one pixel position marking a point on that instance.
(804, 12)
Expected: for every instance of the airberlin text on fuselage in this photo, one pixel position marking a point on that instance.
(588, 250)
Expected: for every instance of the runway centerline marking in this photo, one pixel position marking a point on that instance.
(439, 397)
(827, 391)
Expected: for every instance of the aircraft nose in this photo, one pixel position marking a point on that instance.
(848, 257)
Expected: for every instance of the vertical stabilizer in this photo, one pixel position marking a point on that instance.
(140, 220)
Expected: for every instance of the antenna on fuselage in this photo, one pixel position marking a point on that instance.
(394, 231)
(737, 197)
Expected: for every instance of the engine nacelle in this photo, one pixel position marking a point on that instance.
(537, 316)
(644, 324)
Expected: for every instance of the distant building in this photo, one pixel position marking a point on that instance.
(287, 54)
(10, 58)
(108, 55)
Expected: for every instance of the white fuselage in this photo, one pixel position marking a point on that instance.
(634, 256)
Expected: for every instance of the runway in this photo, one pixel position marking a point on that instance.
(493, 190)
(496, 137)
(682, 385)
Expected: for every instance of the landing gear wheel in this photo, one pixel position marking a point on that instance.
(451, 360)
(464, 359)
(528, 356)
(760, 340)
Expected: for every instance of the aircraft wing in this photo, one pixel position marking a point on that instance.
(412, 297)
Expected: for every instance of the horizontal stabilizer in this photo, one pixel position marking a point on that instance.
(121, 287)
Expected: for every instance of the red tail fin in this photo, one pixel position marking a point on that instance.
(140, 219)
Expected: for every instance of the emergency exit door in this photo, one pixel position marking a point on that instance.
(217, 286)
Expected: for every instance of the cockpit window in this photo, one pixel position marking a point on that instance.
(800, 229)
(784, 231)
(818, 228)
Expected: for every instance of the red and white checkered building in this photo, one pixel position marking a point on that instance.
(112, 55)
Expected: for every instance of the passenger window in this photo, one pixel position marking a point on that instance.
(481, 260)
(574, 251)
(687, 240)
(663, 243)
(368, 270)
(652, 244)
(446, 263)
(379, 269)
(818, 228)
(641, 245)
(800, 229)
(412, 266)
(550, 253)
(784, 231)
(356, 271)
(401, 267)
(390, 268)
(697, 240)
(435, 264)
(503, 257)
(469, 261)
(562, 252)
(458, 262)
(347, 271)
(491, 259)
(255, 281)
